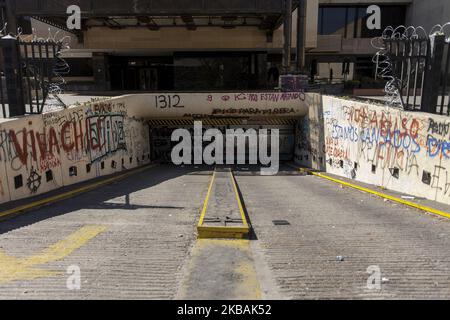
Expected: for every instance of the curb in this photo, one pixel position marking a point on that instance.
(379, 194)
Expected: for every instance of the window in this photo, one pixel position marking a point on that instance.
(102, 165)
(332, 20)
(426, 177)
(73, 171)
(80, 67)
(18, 181)
(395, 172)
(351, 21)
(113, 164)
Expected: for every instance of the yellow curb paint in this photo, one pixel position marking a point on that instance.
(69, 194)
(12, 268)
(214, 232)
(205, 203)
(379, 194)
(243, 278)
(238, 199)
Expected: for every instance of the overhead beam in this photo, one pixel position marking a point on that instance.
(189, 22)
(154, 8)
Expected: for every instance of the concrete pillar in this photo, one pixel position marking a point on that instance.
(287, 34)
(301, 35)
(11, 18)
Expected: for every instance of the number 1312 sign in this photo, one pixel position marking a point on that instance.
(168, 101)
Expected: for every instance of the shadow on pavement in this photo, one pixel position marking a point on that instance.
(97, 200)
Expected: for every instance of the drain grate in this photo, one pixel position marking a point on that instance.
(281, 222)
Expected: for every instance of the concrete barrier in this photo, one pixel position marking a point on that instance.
(44, 152)
(408, 152)
(227, 104)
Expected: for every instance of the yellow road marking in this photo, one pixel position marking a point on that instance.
(205, 204)
(379, 194)
(238, 199)
(69, 194)
(12, 268)
(241, 281)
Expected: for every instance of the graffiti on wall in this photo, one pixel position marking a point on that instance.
(374, 144)
(106, 135)
(31, 147)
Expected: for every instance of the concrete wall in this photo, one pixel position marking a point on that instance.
(230, 104)
(408, 152)
(93, 135)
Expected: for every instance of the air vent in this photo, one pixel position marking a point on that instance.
(281, 223)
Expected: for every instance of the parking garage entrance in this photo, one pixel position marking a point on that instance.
(161, 133)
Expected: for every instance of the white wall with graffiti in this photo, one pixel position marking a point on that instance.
(408, 152)
(44, 152)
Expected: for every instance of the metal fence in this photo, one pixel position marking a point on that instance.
(419, 72)
(28, 71)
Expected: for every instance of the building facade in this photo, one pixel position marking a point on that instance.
(217, 45)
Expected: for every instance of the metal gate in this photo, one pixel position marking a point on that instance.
(29, 69)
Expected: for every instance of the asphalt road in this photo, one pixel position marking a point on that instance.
(137, 239)
(336, 234)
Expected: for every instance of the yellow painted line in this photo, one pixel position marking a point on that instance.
(221, 232)
(380, 194)
(69, 194)
(241, 282)
(12, 268)
(205, 204)
(224, 232)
